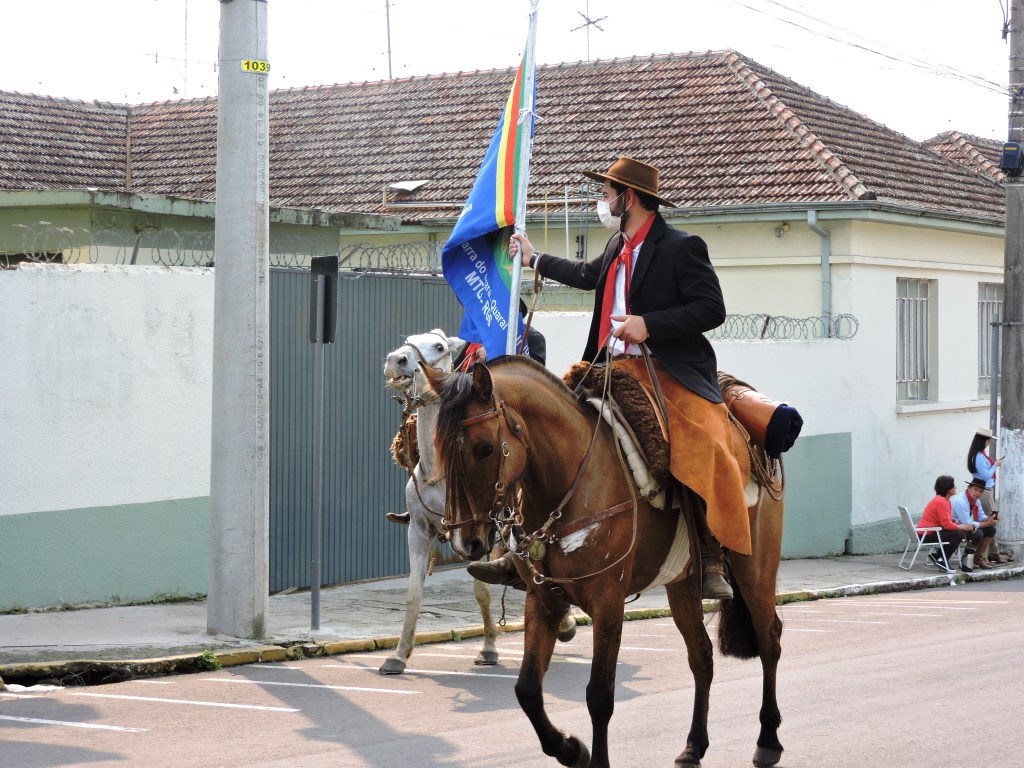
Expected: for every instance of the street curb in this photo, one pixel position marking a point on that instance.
(98, 671)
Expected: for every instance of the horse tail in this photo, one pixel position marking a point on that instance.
(736, 634)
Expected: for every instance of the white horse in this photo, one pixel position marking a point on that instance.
(424, 499)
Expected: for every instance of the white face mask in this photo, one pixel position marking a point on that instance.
(604, 213)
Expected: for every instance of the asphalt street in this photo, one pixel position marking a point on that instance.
(872, 679)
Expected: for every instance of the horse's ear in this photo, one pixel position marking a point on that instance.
(457, 347)
(483, 388)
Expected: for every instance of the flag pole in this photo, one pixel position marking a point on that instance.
(525, 114)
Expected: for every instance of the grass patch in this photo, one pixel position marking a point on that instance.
(208, 661)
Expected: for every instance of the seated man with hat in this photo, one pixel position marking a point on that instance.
(966, 510)
(655, 284)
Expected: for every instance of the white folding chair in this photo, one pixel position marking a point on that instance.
(915, 538)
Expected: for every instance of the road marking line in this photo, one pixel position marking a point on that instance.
(151, 682)
(842, 621)
(185, 701)
(934, 601)
(434, 672)
(503, 654)
(855, 611)
(97, 726)
(311, 685)
(555, 658)
(795, 629)
(935, 606)
(442, 672)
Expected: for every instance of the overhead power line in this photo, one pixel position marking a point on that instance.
(894, 54)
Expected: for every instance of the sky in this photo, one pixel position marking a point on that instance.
(920, 67)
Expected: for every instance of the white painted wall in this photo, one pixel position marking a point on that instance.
(105, 371)
(105, 376)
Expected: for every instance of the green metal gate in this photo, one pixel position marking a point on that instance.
(361, 481)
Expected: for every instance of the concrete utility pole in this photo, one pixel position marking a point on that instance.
(1011, 433)
(239, 469)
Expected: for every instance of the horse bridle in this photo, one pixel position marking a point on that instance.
(433, 363)
(528, 547)
(498, 411)
(414, 402)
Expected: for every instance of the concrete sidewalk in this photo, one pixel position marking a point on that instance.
(96, 644)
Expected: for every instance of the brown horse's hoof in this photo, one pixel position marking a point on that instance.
(687, 759)
(486, 659)
(764, 756)
(392, 666)
(584, 755)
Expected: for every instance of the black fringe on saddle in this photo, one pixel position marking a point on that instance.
(634, 405)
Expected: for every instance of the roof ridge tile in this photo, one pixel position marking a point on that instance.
(969, 145)
(843, 175)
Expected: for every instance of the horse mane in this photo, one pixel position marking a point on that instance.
(455, 390)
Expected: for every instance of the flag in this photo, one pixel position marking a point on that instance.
(475, 259)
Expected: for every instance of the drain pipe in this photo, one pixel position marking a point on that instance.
(826, 268)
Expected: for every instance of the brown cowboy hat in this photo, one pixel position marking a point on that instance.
(639, 176)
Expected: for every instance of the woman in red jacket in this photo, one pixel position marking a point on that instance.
(937, 515)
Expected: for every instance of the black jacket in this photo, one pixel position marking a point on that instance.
(673, 287)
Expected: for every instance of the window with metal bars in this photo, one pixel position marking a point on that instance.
(990, 309)
(913, 338)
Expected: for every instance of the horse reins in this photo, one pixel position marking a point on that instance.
(449, 520)
(533, 546)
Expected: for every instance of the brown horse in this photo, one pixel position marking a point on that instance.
(518, 450)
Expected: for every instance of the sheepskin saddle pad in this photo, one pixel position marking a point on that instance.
(635, 408)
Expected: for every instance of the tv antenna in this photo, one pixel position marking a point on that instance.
(387, 13)
(587, 24)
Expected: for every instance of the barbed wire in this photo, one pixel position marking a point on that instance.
(46, 243)
(415, 258)
(781, 327)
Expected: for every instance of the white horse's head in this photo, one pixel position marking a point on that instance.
(434, 348)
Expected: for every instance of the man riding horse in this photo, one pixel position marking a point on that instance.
(655, 285)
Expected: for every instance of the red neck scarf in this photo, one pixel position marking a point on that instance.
(975, 507)
(624, 259)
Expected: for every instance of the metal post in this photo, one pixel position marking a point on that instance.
(1011, 435)
(323, 321)
(993, 403)
(994, 373)
(318, 454)
(526, 118)
(239, 466)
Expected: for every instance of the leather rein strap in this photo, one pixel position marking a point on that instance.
(543, 534)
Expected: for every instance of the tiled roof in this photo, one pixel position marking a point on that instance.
(722, 129)
(48, 143)
(980, 155)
